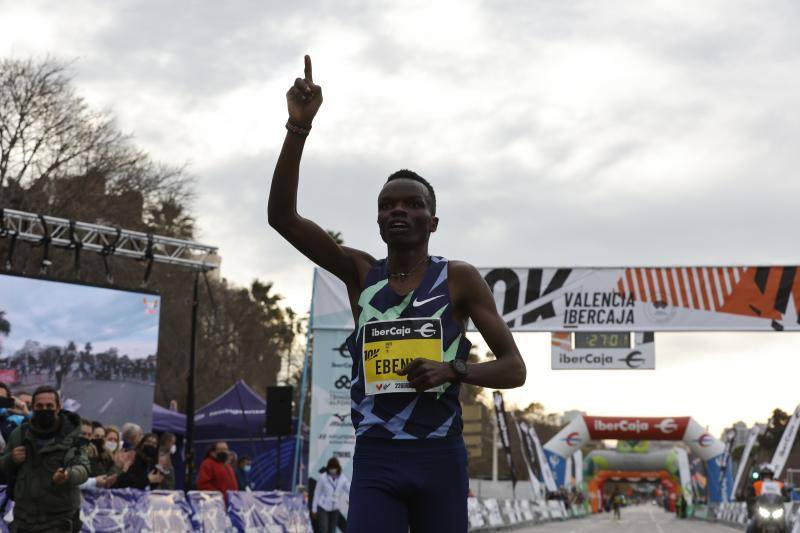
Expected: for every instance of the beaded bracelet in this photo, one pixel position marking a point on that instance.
(297, 130)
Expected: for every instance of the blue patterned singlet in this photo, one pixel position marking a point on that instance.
(412, 415)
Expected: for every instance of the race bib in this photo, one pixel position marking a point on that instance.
(389, 345)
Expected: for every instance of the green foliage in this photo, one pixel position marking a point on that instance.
(769, 440)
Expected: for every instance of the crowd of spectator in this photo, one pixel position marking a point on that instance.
(34, 364)
(49, 454)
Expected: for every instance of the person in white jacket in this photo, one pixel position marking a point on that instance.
(332, 489)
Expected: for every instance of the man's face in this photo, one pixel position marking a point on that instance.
(46, 401)
(86, 432)
(3, 393)
(222, 447)
(404, 213)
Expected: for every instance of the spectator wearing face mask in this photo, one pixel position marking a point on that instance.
(331, 489)
(101, 464)
(215, 472)
(242, 472)
(112, 440)
(11, 416)
(131, 437)
(46, 464)
(143, 473)
(166, 449)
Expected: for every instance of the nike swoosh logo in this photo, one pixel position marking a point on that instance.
(417, 303)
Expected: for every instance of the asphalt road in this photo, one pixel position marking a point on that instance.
(639, 519)
(112, 402)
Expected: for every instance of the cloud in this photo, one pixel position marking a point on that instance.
(554, 133)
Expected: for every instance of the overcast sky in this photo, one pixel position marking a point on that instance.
(107, 318)
(555, 133)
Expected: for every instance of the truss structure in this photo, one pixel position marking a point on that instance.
(106, 240)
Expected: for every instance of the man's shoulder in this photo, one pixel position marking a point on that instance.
(462, 272)
(17, 434)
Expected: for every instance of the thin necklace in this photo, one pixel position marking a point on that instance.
(403, 275)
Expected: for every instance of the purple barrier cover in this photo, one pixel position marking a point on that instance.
(271, 511)
(209, 511)
(118, 510)
(7, 507)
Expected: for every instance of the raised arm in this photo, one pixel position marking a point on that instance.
(304, 99)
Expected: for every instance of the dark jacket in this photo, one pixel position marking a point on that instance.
(241, 478)
(136, 476)
(169, 475)
(39, 504)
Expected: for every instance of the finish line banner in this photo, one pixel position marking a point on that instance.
(647, 299)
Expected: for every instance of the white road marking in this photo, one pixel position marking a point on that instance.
(653, 518)
(105, 405)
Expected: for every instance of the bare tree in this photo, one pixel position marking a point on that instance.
(60, 157)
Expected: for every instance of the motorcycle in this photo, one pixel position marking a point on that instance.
(769, 515)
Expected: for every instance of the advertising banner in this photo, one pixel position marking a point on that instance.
(602, 351)
(502, 425)
(529, 458)
(541, 461)
(752, 435)
(786, 443)
(636, 428)
(715, 298)
(331, 433)
(684, 474)
(96, 345)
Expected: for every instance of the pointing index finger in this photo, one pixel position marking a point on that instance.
(308, 74)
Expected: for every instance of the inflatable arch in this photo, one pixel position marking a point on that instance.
(583, 429)
(596, 485)
(601, 465)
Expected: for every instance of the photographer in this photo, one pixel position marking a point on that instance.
(46, 463)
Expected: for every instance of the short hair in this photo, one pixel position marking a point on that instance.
(151, 436)
(96, 424)
(333, 462)
(244, 458)
(5, 388)
(405, 174)
(45, 389)
(130, 430)
(85, 422)
(166, 437)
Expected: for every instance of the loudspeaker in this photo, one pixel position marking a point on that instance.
(279, 411)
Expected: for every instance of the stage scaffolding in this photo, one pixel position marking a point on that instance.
(48, 231)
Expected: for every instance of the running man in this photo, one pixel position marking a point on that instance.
(410, 463)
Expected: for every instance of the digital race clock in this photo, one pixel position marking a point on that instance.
(585, 339)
